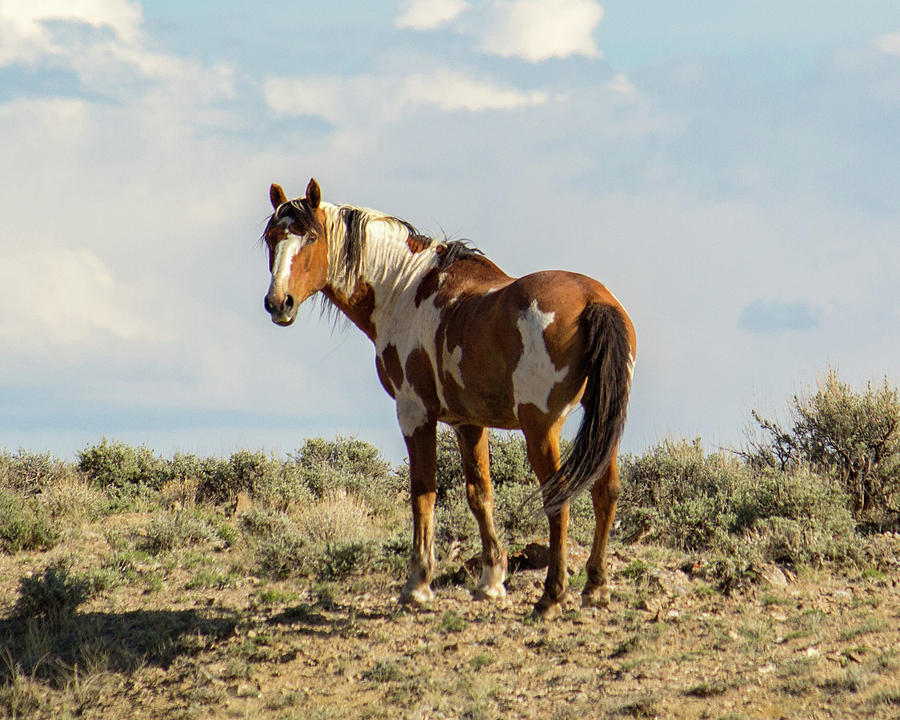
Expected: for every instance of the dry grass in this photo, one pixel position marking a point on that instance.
(216, 640)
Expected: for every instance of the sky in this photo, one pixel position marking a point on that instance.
(731, 171)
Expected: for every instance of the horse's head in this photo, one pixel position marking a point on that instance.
(298, 251)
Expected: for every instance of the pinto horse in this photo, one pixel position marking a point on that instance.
(459, 341)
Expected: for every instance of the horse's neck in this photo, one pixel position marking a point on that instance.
(388, 265)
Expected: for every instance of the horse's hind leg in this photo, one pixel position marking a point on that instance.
(473, 446)
(604, 493)
(542, 442)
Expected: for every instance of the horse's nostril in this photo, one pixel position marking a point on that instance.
(268, 305)
(288, 302)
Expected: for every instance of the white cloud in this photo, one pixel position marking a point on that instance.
(102, 42)
(535, 30)
(429, 14)
(368, 98)
(26, 26)
(889, 43)
(540, 29)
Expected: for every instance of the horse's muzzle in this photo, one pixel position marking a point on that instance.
(284, 312)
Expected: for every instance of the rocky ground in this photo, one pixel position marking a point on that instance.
(194, 632)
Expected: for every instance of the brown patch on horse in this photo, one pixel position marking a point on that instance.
(428, 286)
(358, 307)
(417, 243)
(383, 377)
(470, 274)
(420, 375)
(392, 366)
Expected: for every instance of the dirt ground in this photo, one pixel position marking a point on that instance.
(193, 633)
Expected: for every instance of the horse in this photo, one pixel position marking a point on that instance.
(459, 341)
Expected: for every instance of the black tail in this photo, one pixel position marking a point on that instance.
(605, 404)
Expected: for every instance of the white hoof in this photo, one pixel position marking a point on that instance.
(490, 584)
(490, 592)
(418, 595)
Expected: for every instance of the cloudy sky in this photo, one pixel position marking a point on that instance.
(730, 170)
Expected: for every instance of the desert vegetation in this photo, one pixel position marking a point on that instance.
(757, 581)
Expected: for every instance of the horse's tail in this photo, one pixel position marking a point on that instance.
(605, 402)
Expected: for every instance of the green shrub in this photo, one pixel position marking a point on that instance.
(29, 473)
(285, 554)
(797, 516)
(740, 515)
(351, 466)
(51, 595)
(121, 469)
(678, 495)
(346, 558)
(355, 457)
(254, 473)
(852, 437)
(260, 522)
(25, 524)
(170, 531)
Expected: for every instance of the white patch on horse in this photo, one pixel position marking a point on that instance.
(452, 362)
(535, 374)
(411, 411)
(285, 252)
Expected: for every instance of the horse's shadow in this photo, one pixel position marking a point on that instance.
(54, 648)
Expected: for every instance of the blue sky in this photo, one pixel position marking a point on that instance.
(730, 170)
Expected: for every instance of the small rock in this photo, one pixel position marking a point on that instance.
(770, 574)
(672, 582)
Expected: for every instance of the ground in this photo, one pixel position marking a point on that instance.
(195, 632)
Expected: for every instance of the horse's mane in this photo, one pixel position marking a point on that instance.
(356, 222)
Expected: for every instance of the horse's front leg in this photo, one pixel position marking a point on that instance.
(473, 446)
(421, 443)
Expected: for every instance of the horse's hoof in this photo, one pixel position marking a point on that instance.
(598, 598)
(543, 611)
(421, 595)
(490, 592)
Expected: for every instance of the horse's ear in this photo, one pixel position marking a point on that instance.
(276, 195)
(313, 194)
